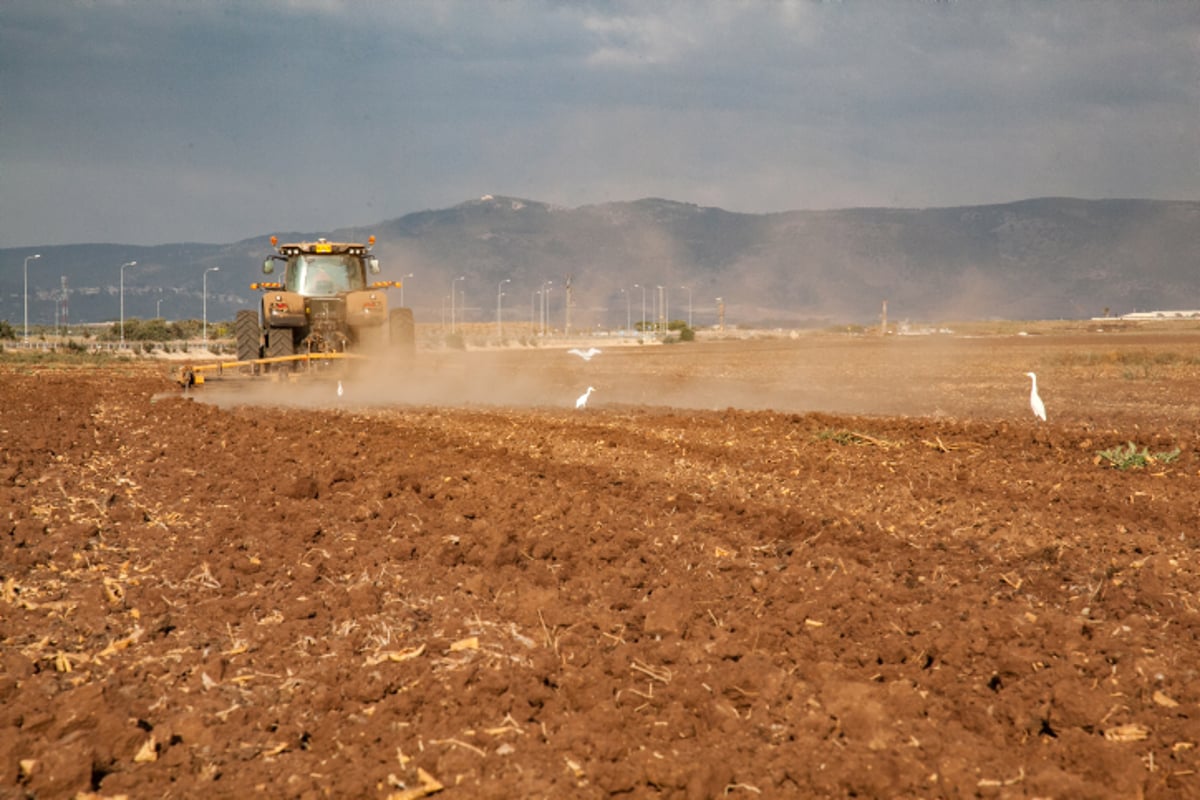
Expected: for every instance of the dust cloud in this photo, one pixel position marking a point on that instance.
(800, 373)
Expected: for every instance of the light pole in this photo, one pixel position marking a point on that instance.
(628, 316)
(210, 269)
(546, 305)
(662, 310)
(642, 324)
(158, 306)
(453, 294)
(27, 260)
(499, 307)
(689, 291)
(123, 266)
(409, 275)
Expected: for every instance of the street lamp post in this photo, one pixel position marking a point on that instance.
(499, 307)
(453, 296)
(546, 305)
(628, 315)
(123, 266)
(409, 275)
(642, 324)
(27, 260)
(662, 311)
(689, 291)
(210, 269)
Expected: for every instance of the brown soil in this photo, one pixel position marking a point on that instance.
(839, 567)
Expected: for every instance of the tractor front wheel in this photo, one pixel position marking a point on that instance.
(281, 342)
(248, 334)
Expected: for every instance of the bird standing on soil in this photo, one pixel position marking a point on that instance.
(583, 398)
(339, 388)
(1035, 402)
(586, 355)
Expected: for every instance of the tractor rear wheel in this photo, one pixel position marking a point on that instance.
(248, 335)
(402, 331)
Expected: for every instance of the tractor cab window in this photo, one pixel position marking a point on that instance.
(317, 275)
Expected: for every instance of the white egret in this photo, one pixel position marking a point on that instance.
(583, 398)
(1035, 402)
(339, 388)
(586, 355)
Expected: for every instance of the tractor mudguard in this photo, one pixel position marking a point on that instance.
(283, 310)
(365, 309)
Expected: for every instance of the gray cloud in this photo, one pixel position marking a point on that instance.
(145, 122)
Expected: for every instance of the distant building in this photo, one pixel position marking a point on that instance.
(1158, 315)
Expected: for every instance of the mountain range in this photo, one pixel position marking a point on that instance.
(1043, 258)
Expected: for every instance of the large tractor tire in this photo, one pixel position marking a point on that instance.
(248, 335)
(402, 331)
(280, 342)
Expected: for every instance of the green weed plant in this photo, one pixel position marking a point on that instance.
(1130, 457)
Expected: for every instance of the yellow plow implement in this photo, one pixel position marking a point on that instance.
(194, 375)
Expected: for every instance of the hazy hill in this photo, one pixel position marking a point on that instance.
(1041, 258)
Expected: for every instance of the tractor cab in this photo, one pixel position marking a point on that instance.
(323, 268)
(323, 276)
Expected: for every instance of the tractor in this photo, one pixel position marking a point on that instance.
(321, 310)
(321, 304)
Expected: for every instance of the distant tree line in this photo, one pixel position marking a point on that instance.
(136, 330)
(680, 329)
(159, 330)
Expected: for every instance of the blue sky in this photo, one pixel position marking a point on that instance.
(211, 121)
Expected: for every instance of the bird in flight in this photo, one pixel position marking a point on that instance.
(586, 355)
(1035, 402)
(583, 398)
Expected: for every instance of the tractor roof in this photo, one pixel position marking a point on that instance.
(324, 246)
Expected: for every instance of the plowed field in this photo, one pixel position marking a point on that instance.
(825, 566)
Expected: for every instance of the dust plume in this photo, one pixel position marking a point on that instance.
(796, 373)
